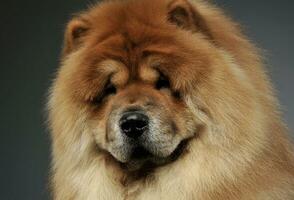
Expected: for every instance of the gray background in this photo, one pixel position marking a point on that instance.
(30, 38)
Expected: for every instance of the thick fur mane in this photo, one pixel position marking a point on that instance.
(241, 152)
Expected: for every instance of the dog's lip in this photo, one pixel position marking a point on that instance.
(179, 150)
(140, 154)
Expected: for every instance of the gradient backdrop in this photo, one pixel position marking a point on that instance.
(30, 41)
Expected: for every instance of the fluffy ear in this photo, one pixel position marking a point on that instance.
(182, 14)
(75, 32)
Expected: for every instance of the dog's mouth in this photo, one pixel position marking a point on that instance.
(140, 153)
(142, 158)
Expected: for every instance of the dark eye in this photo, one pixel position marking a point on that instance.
(162, 82)
(109, 89)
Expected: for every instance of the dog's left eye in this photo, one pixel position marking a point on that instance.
(162, 82)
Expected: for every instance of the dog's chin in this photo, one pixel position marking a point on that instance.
(141, 159)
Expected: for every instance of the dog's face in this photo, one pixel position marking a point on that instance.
(129, 78)
(138, 116)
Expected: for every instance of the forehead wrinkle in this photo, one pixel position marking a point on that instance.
(133, 55)
(127, 47)
(130, 55)
(141, 50)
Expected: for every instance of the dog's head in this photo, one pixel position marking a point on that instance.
(139, 79)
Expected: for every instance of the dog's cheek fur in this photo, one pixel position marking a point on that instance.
(240, 153)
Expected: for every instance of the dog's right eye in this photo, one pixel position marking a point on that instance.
(162, 82)
(109, 89)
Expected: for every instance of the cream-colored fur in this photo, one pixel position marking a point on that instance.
(243, 152)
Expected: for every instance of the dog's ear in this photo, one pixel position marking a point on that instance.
(75, 32)
(184, 15)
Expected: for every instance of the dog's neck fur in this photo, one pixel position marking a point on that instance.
(211, 172)
(242, 153)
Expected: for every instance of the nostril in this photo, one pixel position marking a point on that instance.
(140, 125)
(134, 124)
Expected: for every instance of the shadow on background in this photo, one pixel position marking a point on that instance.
(31, 37)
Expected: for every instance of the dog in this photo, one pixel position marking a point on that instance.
(165, 99)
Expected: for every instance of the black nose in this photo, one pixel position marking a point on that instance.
(134, 124)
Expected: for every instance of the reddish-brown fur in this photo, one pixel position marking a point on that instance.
(220, 99)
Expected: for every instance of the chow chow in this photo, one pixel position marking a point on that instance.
(165, 99)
